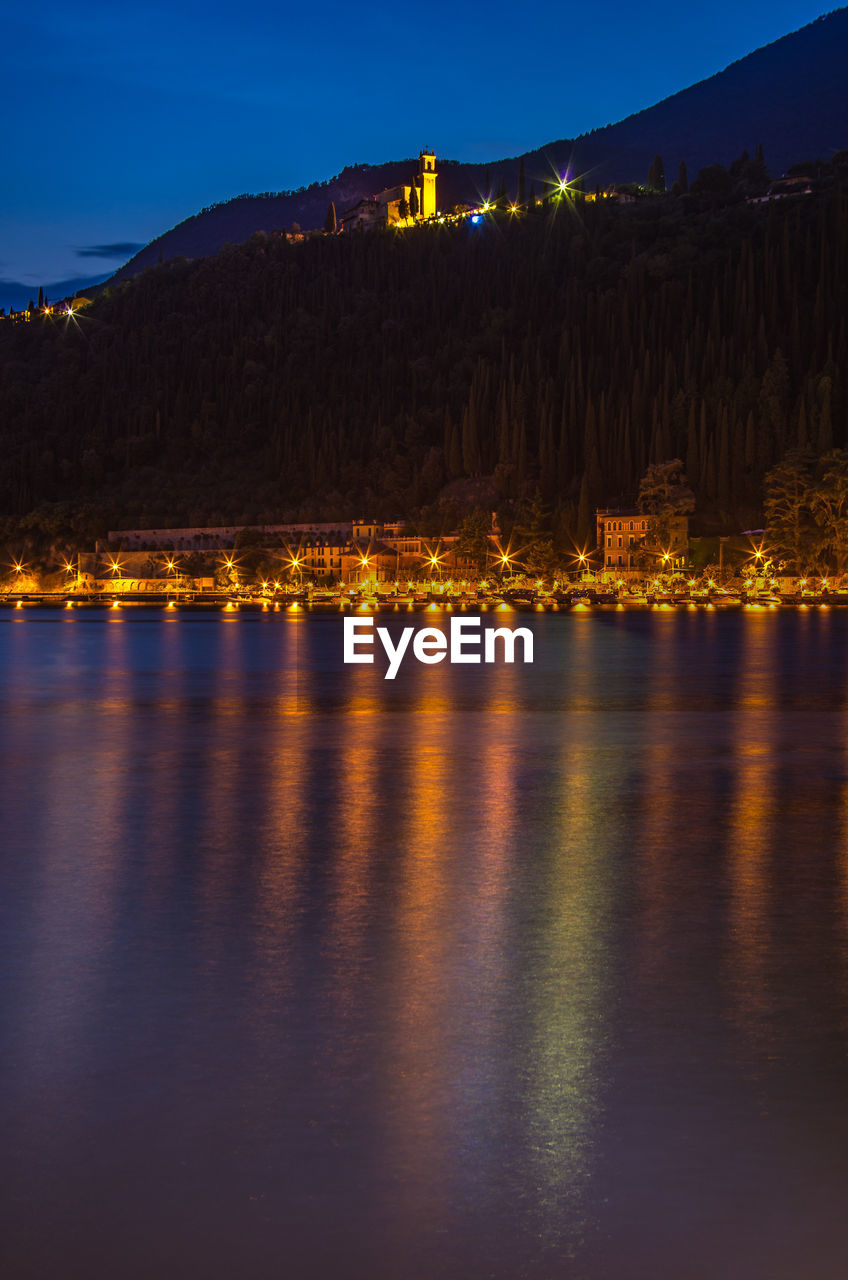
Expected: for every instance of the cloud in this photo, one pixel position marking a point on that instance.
(123, 249)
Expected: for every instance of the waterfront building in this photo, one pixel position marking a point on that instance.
(627, 545)
(356, 553)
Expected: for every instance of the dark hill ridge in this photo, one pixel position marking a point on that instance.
(790, 96)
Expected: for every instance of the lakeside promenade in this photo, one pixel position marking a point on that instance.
(446, 597)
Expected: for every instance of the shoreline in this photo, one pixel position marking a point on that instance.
(403, 604)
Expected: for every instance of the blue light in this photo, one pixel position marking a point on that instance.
(475, 217)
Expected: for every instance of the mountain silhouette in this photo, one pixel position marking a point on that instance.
(788, 96)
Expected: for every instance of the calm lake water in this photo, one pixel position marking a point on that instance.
(486, 972)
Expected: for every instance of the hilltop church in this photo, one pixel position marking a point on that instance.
(398, 206)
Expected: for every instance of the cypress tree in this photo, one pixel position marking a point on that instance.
(584, 512)
(693, 470)
(825, 428)
(682, 178)
(723, 475)
(656, 175)
(470, 443)
(522, 193)
(330, 220)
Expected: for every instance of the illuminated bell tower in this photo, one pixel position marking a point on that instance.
(427, 182)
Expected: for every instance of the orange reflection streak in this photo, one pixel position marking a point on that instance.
(77, 906)
(659, 864)
(451, 950)
(750, 819)
(282, 843)
(841, 868)
(167, 784)
(358, 805)
(567, 991)
(491, 799)
(497, 818)
(419, 1082)
(231, 764)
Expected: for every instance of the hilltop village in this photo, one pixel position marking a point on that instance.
(416, 204)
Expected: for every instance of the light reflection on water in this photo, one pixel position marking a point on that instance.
(504, 972)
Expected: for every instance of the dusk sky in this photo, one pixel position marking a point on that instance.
(123, 120)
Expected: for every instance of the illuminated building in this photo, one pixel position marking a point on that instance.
(624, 539)
(393, 206)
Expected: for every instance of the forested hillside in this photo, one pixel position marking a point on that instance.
(561, 350)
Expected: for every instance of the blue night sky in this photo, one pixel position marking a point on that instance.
(123, 119)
